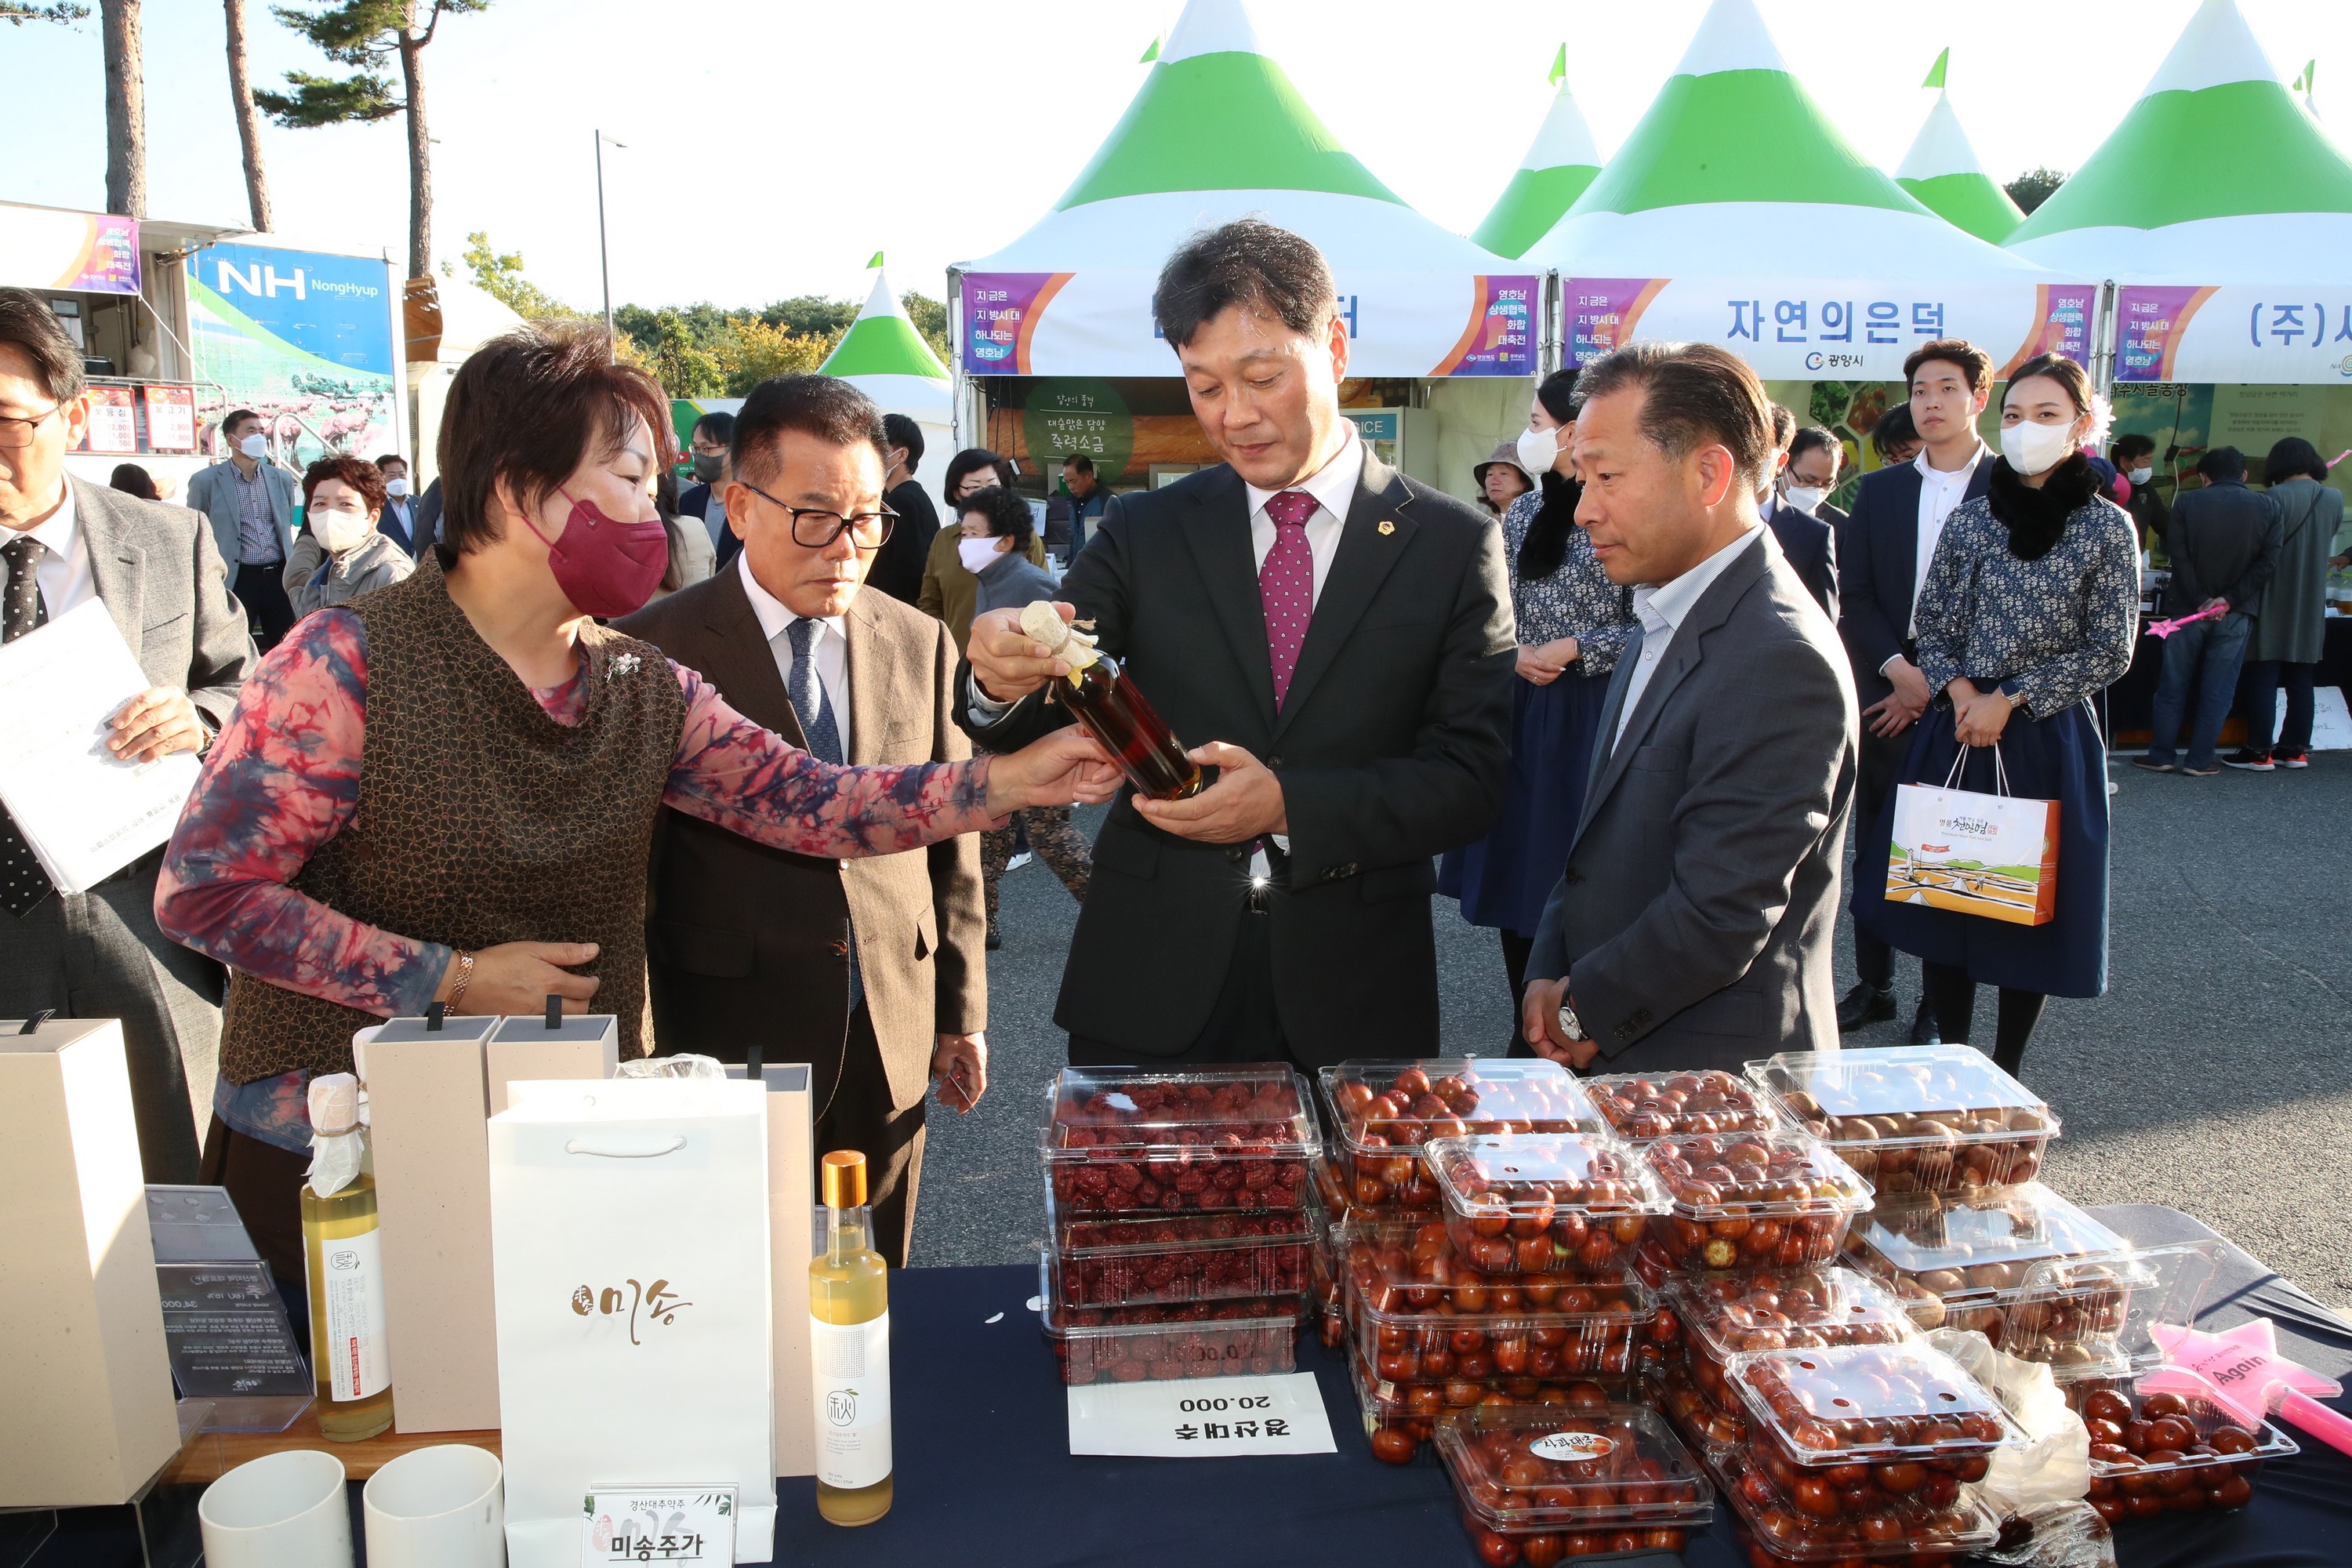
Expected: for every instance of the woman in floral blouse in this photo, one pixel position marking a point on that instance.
(2027, 611)
(1572, 623)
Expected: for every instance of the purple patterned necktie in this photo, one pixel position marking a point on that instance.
(1285, 585)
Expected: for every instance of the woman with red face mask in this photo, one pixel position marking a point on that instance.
(445, 791)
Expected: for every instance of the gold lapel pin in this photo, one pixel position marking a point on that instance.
(1386, 527)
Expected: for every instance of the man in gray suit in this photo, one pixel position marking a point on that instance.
(250, 501)
(98, 954)
(1692, 925)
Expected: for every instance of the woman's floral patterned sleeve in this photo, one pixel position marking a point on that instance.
(282, 780)
(731, 771)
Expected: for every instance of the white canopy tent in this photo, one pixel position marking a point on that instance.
(884, 356)
(1560, 163)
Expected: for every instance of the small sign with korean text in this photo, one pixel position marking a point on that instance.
(1214, 1417)
(658, 1524)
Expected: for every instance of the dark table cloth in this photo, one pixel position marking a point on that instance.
(984, 1476)
(2131, 701)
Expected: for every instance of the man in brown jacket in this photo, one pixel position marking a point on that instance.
(872, 970)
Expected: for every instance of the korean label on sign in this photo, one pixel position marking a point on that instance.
(658, 1524)
(1215, 1417)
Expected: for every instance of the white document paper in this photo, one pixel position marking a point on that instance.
(1204, 1418)
(85, 813)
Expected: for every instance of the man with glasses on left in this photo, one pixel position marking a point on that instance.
(871, 970)
(157, 568)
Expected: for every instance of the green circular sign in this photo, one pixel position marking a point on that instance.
(1069, 415)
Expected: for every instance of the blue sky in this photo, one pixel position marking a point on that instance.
(774, 144)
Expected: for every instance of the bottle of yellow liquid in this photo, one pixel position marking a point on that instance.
(344, 1265)
(849, 1342)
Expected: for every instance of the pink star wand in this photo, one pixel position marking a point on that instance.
(2243, 1372)
(2165, 628)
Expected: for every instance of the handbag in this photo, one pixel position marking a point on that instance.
(1994, 856)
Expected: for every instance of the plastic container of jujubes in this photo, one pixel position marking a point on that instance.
(1958, 1259)
(1726, 1315)
(1541, 1486)
(1773, 1534)
(1384, 1112)
(1401, 1418)
(1753, 1200)
(1147, 1257)
(1116, 1140)
(1197, 1339)
(1641, 1107)
(1854, 1434)
(2150, 1453)
(1573, 1202)
(1914, 1118)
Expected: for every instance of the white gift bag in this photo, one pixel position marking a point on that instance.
(629, 1248)
(1989, 854)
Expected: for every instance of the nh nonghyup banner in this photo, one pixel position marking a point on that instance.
(1810, 330)
(303, 338)
(2238, 332)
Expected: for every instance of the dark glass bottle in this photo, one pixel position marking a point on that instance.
(1114, 712)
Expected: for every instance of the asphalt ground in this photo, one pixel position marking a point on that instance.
(2212, 1077)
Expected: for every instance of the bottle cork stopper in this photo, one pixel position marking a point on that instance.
(334, 1102)
(1062, 640)
(843, 1179)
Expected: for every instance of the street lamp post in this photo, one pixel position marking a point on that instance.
(603, 256)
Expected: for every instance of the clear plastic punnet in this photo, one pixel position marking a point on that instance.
(1147, 1257)
(1914, 1118)
(1725, 1315)
(2158, 1453)
(1641, 1107)
(1595, 1474)
(1198, 1339)
(1907, 1410)
(1753, 1200)
(1383, 1112)
(1544, 1204)
(1116, 1140)
(1777, 1535)
(1959, 1260)
(2089, 1317)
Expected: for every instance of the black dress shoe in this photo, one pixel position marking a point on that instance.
(1865, 1003)
(1923, 1026)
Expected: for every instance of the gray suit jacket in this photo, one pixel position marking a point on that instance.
(160, 576)
(213, 491)
(1695, 915)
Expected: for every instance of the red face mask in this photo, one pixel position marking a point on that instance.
(604, 567)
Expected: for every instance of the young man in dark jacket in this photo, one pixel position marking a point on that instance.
(2224, 541)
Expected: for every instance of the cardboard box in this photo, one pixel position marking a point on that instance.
(792, 1178)
(582, 1045)
(428, 1111)
(87, 1410)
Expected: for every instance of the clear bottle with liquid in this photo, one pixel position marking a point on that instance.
(343, 1264)
(1113, 710)
(849, 1345)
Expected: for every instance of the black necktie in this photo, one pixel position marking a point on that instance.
(23, 883)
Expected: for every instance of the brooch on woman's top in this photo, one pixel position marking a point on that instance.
(622, 664)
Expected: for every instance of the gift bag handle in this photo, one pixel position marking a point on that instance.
(1959, 761)
(677, 1141)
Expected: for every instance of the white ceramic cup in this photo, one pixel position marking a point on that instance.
(441, 1506)
(277, 1511)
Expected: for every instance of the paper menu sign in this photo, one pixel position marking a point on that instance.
(1210, 1417)
(84, 814)
(658, 1524)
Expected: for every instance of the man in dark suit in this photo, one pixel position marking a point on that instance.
(1339, 636)
(705, 500)
(1898, 515)
(870, 970)
(1807, 540)
(397, 521)
(1692, 926)
(251, 502)
(157, 570)
(898, 565)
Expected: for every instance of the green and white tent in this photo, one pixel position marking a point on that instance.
(884, 356)
(1735, 213)
(1560, 162)
(1217, 131)
(2223, 212)
(1942, 173)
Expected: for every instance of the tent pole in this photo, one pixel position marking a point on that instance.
(2103, 343)
(1548, 354)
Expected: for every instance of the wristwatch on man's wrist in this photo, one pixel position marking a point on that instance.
(1569, 1025)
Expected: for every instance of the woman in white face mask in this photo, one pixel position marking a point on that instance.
(1572, 622)
(339, 554)
(2029, 611)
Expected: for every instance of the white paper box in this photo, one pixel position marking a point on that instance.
(582, 1045)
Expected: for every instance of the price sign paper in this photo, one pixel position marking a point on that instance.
(658, 1524)
(1215, 1417)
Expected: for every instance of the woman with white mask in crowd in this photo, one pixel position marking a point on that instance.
(2029, 610)
(340, 554)
(1572, 624)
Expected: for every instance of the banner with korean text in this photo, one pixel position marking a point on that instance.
(2242, 333)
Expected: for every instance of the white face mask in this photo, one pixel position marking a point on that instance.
(255, 446)
(395, 488)
(1539, 450)
(339, 531)
(2033, 448)
(2140, 476)
(1805, 497)
(976, 554)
